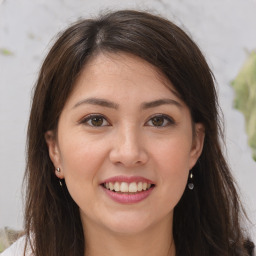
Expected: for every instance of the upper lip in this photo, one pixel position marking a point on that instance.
(128, 179)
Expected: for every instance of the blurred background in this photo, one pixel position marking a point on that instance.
(225, 30)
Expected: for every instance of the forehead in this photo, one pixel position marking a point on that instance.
(121, 76)
(122, 63)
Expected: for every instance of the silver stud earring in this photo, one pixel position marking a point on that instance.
(58, 169)
(190, 182)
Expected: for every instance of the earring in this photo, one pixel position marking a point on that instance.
(190, 182)
(58, 170)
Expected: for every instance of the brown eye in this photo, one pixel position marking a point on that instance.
(160, 121)
(95, 121)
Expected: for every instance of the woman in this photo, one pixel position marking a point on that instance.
(124, 154)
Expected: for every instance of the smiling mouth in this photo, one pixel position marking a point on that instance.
(127, 188)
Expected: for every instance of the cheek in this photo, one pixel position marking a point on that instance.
(173, 168)
(78, 152)
(80, 159)
(81, 163)
(173, 154)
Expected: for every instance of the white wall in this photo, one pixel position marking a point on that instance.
(225, 30)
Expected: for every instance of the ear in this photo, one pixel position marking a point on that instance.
(54, 152)
(197, 145)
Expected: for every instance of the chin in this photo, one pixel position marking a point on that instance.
(129, 224)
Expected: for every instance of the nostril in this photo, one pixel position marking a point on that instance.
(128, 159)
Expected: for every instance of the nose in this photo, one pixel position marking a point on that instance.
(128, 148)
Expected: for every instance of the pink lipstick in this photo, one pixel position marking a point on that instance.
(128, 190)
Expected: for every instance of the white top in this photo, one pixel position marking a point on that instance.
(17, 249)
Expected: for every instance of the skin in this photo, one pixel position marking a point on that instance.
(129, 142)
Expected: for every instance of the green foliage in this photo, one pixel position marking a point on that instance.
(5, 51)
(1, 247)
(245, 101)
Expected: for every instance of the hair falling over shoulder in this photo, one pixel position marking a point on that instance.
(207, 220)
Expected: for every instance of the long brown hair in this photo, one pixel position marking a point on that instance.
(207, 219)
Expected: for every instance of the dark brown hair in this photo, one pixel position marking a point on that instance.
(207, 219)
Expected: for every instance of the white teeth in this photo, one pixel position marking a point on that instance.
(144, 186)
(125, 187)
(140, 186)
(133, 187)
(116, 187)
(111, 186)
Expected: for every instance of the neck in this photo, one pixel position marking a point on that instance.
(156, 240)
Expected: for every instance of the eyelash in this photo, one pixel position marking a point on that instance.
(89, 118)
(167, 120)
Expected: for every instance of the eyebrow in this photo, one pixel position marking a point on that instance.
(97, 101)
(160, 102)
(110, 104)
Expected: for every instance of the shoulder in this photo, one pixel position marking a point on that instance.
(17, 248)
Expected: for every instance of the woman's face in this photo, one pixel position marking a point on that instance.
(124, 145)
